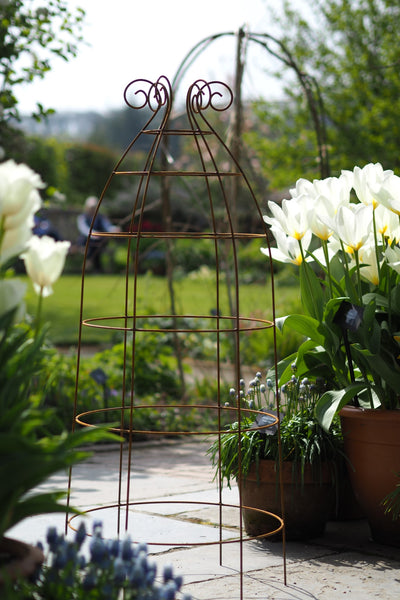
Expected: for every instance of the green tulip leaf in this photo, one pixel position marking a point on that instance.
(311, 290)
(303, 324)
(37, 505)
(334, 400)
(282, 366)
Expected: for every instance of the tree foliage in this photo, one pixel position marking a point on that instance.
(31, 33)
(351, 49)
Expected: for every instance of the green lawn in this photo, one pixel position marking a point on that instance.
(104, 296)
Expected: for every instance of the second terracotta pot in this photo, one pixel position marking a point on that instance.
(372, 445)
(308, 503)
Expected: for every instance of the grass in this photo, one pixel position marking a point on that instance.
(104, 296)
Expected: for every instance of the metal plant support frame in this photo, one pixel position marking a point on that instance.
(225, 238)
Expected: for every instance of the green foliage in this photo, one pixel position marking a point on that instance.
(303, 440)
(29, 453)
(287, 146)
(46, 156)
(253, 265)
(30, 36)
(392, 502)
(195, 297)
(101, 379)
(55, 388)
(351, 50)
(77, 170)
(369, 349)
(190, 257)
(155, 365)
(88, 169)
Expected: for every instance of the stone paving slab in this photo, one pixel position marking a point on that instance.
(174, 480)
(328, 577)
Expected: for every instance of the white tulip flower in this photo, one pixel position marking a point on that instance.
(393, 257)
(303, 187)
(44, 261)
(17, 182)
(352, 225)
(14, 241)
(326, 207)
(335, 191)
(367, 180)
(12, 292)
(322, 198)
(387, 222)
(293, 216)
(370, 269)
(26, 214)
(387, 192)
(288, 249)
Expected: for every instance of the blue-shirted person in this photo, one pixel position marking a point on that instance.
(101, 224)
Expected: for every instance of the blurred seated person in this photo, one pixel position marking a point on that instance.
(101, 224)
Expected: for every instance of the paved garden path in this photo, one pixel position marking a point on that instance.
(172, 486)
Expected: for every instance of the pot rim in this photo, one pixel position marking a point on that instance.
(357, 412)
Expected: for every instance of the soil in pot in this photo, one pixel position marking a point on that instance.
(372, 445)
(308, 503)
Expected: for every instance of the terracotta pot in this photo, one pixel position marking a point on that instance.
(372, 444)
(308, 504)
(18, 559)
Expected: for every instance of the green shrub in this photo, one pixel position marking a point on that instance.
(190, 256)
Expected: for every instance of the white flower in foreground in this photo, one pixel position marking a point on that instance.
(322, 198)
(14, 241)
(18, 190)
(332, 193)
(44, 261)
(12, 292)
(335, 191)
(26, 213)
(320, 222)
(387, 223)
(303, 186)
(369, 270)
(352, 225)
(293, 216)
(288, 248)
(387, 192)
(366, 180)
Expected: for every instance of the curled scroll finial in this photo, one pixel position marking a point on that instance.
(212, 94)
(143, 92)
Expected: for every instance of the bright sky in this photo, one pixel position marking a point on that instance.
(128, 39)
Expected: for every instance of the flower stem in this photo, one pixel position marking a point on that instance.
(314, 308)
(328, 266)
(376, 245)
(2, 231)
(345, 261)
(357, 259)
(39, 311)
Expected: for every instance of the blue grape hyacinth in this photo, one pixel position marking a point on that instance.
(109, 570)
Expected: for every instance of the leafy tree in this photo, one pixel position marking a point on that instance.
(31, 33)
(88, 169)
(351, 49)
